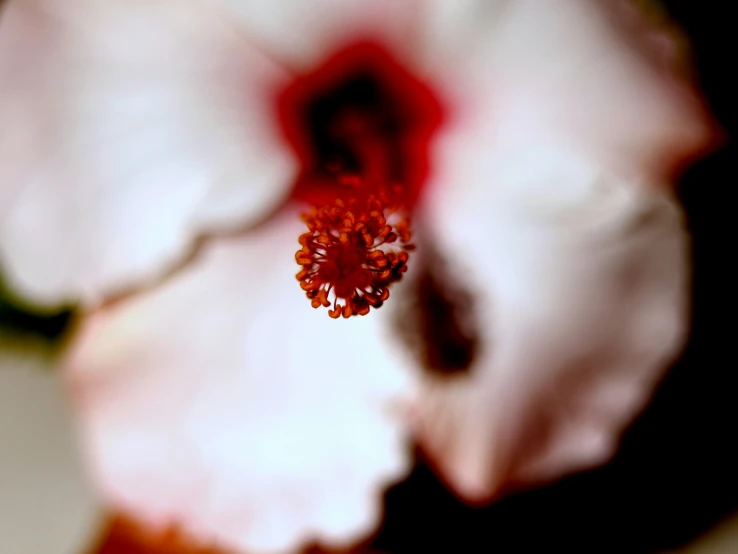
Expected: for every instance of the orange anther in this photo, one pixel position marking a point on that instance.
(341, 255)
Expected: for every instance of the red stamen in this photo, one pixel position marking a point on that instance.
(361, 125)
(353, 251)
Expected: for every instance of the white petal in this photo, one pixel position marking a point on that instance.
(46, 502)
(223, 403)
(579, 282)
(128, 129)
(592, 75)
(24, 107)
(300, 33)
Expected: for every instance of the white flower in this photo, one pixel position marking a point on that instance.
(217, 399)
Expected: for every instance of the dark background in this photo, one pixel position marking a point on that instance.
(677, 472)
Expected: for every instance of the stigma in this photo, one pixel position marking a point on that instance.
(352, 252)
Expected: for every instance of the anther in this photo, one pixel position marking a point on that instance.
(353, 251)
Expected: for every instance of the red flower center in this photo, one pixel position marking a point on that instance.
(360, 125)
(345, 253)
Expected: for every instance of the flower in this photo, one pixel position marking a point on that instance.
(214, 397)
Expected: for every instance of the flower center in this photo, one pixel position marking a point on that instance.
(345, 252)
(360, 125)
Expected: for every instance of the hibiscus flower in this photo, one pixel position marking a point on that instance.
(161, 156)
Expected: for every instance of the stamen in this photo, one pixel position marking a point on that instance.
(360, 125)
(353, 251)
